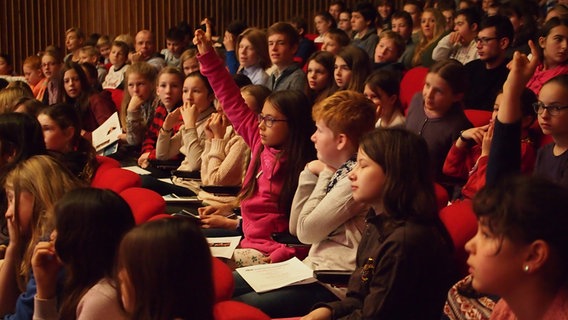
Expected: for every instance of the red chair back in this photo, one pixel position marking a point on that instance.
(461, 223)
(115, 179)
(411, 83)
(107, 163)
(116, 95)
(442, 196)
(222, 280)
(144, 203)
(234, 310)
(478, 118)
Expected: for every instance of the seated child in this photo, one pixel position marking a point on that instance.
(94, 108)
(404, 253)
(324, 213)
(32, 188)
(437, 114)
(225, 155)
(388, 51)
(279, 140)
(169, 92)
(320, 76)
(335, 40)
(172, 257)
(104, 46)
(62, 135)
(91, 55)
(191, 118)
(89, 224)
(520, 250)
(174, 47)
(188, 61)
(138, 103)
(118, 57)
(33, 75)
(383, 88)
(352, 65)
(467, 158)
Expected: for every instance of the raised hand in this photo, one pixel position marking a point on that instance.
(202, 40)
(521, 71)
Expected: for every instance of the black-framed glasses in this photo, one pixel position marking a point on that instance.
(539, 108)
(268, 120)
(484, 40)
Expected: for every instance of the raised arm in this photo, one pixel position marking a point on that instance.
(226, 90)
(504, 155)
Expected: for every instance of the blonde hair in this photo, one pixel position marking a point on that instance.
(424, 43)
(147, 72)
(126, 38)
(10, 95)
(90, 51)
(47, 180)
(186, 55)
(103, 41)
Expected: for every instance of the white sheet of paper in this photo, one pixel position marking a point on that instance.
(107, 133)
(223, 247)
(266, 277)
(166, 180)
(137, 169)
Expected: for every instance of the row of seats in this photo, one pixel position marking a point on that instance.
(148, 205)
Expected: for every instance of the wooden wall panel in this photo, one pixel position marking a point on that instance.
(28, 26)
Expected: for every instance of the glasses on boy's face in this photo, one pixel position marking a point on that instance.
(484, 40)
(539, 108)
(268, 120)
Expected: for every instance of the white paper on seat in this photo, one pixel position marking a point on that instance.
(223, 247)
(266, 277)
(137, 170)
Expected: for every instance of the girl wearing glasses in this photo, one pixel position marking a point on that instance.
(280, 142)
(554, 44)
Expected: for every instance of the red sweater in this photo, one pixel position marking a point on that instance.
(467, 163)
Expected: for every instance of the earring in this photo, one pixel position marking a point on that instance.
(526, 268)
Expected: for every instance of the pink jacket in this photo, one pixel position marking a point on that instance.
(540, 76)
(260, 212)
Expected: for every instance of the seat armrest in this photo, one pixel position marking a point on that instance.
(336, 277)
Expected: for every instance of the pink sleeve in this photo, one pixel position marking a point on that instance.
(244, 120)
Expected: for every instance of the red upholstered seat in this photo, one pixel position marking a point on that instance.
(234, 310)
(411, 83)
(461, 223)
(222, 280)
(144, 203)
(115, 179)
(106, 163)
(160, 216)
(478, 118)
(116, 95)
(442, 197)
